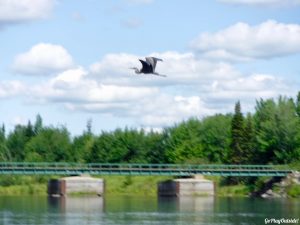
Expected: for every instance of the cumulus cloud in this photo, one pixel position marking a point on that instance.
(248, 89)
(180, 68)
(194, 88)
(245, 42)
(265, 3)
(43, 59)
(75, 85)
(17, 11)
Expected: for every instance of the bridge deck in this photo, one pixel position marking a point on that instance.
(23, 168)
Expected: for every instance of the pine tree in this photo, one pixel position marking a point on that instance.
(249, 140)
(89, 126)
(237, 134)
(38, 126)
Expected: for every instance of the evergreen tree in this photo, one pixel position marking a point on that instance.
(29, 132)
(89, 127)
(38, 125)
(237, 135)
(249, 141)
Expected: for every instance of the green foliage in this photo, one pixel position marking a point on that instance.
(50, 144)
(233, 190)
(17, 140)
(4, 151)
(297, 104)
(82, 147)
(294, 191)
(249, 146)
(128, 146)
(215, 137)
(38, 125)
(271, 135)
(237, 135)
(154, 147)
(278, 131)
(183, 142)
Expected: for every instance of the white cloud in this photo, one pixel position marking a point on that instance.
(43, 59)
(244, 42)
(76, 86)
(181, 69)
(194, 87)
(265, 3)
(165, 110)
(11, 88)
(156, 110)
(247, 89)
(16, 11)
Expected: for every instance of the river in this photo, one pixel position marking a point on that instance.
(129, 210)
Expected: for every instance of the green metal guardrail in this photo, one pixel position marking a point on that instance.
(61, 168)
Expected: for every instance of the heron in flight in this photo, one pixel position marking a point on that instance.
(148, 66)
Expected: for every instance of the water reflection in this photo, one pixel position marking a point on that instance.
(137, 210)
(76, 210)
(86, 204)
(186, 203)
(188, 209)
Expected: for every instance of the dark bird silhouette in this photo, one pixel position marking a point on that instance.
(148, 66)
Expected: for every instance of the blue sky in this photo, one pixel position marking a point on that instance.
(68, 60)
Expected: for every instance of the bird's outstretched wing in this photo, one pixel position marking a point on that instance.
(147, 67)
(152, 61)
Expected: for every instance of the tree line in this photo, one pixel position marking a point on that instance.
(269, 135)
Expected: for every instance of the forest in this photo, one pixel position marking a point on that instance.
(269, 135)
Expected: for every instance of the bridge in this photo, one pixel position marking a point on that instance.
(62, 168)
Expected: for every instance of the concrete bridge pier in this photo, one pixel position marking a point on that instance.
(195, 186)
(76, 185)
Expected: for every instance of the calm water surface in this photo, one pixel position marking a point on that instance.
(144, 210)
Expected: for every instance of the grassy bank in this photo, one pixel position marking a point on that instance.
(22, 189)
(137, 185)
(114, 185)
(23, 185)
(123, 185)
